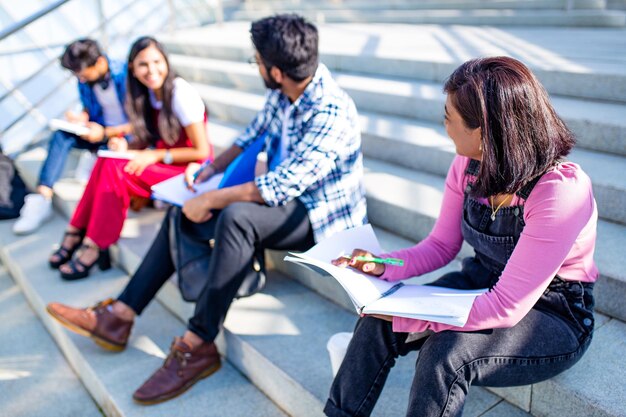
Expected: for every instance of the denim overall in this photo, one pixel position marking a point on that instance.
(551, 338)
(493, 243)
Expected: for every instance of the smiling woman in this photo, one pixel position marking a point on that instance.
(531, 219)
(168, 120)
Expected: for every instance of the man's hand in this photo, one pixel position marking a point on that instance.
(96, 133)
(193, 177)
(142, 159)
(198, 209)
(370, 268)
(118, 144)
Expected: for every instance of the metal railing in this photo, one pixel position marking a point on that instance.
(101, 31)
(16, 27)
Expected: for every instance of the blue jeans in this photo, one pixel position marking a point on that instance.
(551, 338)
(59, 148)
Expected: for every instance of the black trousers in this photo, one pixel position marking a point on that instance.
(240, 228)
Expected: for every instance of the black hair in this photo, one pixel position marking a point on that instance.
(81, 54)
(288, 42)
(522, 136)
(138, 107)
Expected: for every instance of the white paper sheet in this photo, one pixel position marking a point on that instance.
(443, 305)
(361, 288)
(342, 243)
(105, 153)
(175, 192)
(75, 128)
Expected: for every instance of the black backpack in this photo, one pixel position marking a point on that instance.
(12, 189)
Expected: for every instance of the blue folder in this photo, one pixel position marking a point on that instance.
(241, 170)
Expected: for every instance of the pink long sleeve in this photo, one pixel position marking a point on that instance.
(559, 237)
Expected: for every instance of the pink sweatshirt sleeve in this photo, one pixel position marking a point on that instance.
(445, 240)
(561, 219)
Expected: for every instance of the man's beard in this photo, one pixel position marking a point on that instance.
(270, 82)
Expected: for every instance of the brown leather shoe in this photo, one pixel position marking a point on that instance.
(182, 368)
(97, 322)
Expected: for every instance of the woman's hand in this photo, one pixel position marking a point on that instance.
(118, 144)
(198, 209)
(141, 161)
(370, 268)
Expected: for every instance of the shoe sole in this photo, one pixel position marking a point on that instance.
(79, 330)
(206, 373)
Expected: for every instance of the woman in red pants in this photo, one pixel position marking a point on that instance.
(168, 119)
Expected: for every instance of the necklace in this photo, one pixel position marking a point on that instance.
(493, 212)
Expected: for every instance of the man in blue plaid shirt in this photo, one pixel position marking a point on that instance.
(308, 187)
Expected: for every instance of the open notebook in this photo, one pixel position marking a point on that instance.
(371, 295)
(240, 171)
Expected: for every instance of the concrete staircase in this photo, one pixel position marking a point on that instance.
(277, 338)
(574, 13)
(31, 365)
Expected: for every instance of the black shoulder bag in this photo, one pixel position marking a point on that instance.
(191, 246)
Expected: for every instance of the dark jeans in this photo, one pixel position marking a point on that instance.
(551, 338)
(59, 148)
(240, 228)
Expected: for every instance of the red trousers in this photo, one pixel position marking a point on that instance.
(102, 209)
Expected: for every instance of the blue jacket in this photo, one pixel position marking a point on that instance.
(91, 105)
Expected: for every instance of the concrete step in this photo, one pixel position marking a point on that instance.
(287, 5)
(258, 329)
(109, 377)
(31, 367)
(493, 17)
(544, 399)
(597, 125)
(286, 313)
(585, 63)
(425, 145)
(616, 4)
(261, 358)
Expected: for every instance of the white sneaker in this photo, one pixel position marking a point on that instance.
(36, 210)
(85, 166)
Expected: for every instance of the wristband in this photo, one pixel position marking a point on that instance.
(168, 158)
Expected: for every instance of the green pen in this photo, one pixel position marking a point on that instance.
(387, 261)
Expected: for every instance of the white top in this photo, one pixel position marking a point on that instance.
(111, 107)
(187, 104)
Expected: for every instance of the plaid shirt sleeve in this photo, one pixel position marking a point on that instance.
(259, 124)
(311, 161)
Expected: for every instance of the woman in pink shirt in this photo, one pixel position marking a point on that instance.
(531, 219)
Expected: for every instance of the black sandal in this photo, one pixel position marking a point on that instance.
(103, 261)
(65, 254)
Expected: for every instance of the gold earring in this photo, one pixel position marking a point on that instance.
(480, 146)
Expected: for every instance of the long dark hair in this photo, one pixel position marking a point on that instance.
(522, 135)
(138, 107)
